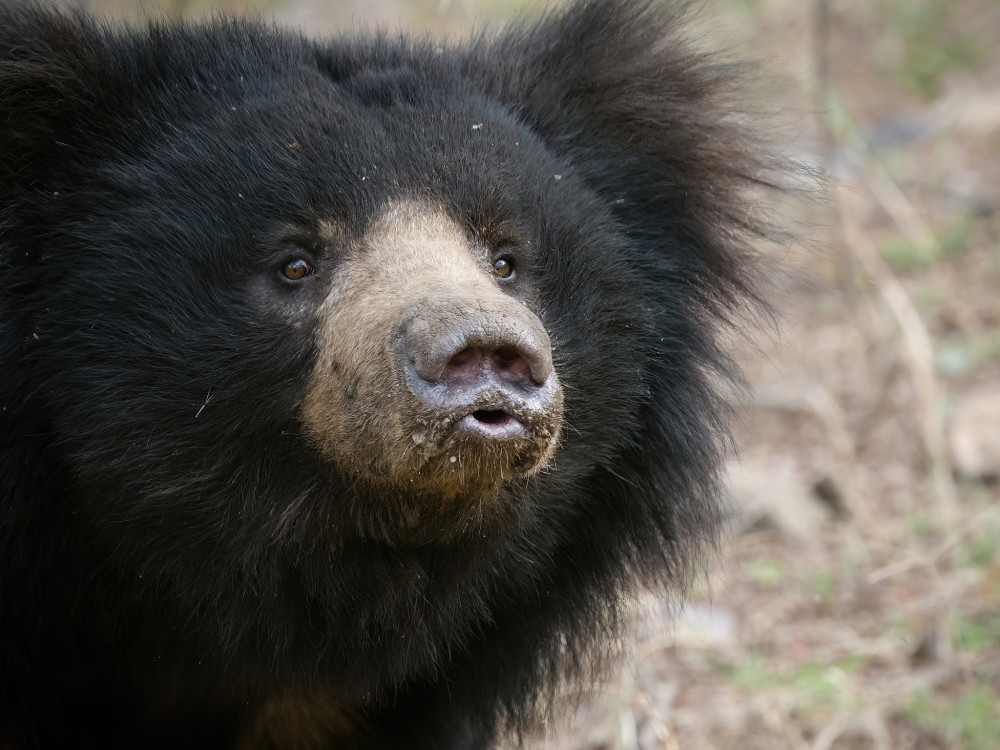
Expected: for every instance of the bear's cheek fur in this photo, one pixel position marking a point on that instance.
(411, 292)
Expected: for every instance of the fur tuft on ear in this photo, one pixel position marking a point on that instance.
(50, 79)
(653, 122)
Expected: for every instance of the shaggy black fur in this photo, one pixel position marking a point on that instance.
(174, 553)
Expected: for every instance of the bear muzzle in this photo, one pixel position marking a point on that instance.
(483, 370)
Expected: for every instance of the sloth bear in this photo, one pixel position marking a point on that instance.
(349, 387)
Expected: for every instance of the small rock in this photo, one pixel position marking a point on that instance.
(975, 435)
(775, 494)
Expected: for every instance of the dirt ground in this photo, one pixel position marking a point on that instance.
(855, 603)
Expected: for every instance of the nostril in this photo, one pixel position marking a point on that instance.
(509, 363)
(507, 354)
(464, 366)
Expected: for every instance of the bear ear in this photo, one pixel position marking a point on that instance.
(50, 82)
(652, 121)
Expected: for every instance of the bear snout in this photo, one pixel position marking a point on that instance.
(487, 371)
(467, 339)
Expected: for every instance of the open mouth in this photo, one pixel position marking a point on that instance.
(491, 416)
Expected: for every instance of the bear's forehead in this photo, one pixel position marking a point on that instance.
(395, 103)
(364, 137)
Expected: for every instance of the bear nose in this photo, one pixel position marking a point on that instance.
(465, 356)
(506, 362)
(463, 346)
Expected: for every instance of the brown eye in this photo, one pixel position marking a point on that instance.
(503, 268)
(297, 268)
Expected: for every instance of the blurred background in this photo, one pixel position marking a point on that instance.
(856, 601)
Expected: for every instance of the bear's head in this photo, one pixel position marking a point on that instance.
(317, 349)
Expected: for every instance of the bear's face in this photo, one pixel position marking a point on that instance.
(434, 377)
(359, 294)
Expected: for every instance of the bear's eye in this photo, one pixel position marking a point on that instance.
(503, 267)
(297, 268)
